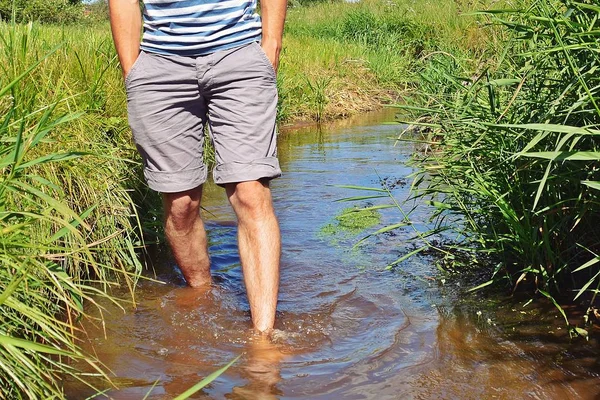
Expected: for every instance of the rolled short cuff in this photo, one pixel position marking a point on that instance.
(234, 172)
(175, 181)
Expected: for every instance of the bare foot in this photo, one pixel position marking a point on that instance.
(191, 297)
(262, 369)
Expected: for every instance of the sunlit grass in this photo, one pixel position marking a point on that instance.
(370, 52)
(512, 167)
(67, 221)
(72, 201)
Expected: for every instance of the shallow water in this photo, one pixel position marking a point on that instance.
(347, 327)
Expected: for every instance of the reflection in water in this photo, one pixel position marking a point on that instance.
(347, 328)
(261, 370)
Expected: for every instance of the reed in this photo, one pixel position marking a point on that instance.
(512, 167)
(68, 231)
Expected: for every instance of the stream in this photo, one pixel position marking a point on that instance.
(347, 326)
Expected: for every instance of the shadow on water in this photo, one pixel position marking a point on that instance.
(347, 328)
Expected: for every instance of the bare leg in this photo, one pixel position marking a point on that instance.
(259, 242)
(186, 235)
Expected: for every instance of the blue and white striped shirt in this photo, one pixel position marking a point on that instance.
(198, 27)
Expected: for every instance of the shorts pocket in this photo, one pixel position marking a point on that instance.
(134, 67)
(264, 58)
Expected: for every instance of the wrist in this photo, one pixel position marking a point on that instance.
(127, 60)
(271, 42)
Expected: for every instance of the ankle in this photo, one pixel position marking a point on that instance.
(198, 280)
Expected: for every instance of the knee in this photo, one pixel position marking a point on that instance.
(181, 209)
(251, 199)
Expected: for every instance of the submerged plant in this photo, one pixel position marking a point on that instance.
(350, 222)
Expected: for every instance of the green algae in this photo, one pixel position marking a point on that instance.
(351, 221)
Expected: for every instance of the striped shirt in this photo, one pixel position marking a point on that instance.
(198, 27)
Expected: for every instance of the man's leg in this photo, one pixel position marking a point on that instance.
(186, 235)
(259, 242)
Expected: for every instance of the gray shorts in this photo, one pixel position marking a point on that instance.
(171, 98)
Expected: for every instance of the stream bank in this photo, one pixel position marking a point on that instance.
(348, 327)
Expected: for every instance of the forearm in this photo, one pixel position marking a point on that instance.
(273, 17)
(126, 25)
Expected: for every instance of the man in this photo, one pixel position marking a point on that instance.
(200, 61)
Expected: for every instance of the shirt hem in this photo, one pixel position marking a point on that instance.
(200, 52)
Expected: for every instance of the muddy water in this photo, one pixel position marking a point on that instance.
(347, 327)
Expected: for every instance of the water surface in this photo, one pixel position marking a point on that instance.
(348, 328)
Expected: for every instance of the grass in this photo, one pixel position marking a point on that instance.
(206, 381)
(512, 171)
(73, 206)
(67, 222)
(342, 59)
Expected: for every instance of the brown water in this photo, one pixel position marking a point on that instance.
(347, 327)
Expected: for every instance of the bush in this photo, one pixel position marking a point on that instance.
(97, 11)
(47, 11)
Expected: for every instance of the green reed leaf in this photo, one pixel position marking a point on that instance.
(206, 381)
(28, 345)
(565, 155)
(592, 184)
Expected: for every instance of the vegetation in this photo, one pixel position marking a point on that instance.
(351, 221)
(512, 168)
(513, 172)
(66, 217)
(341, 59)
(47, 11)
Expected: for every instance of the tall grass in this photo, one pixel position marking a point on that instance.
(71, 198)
(67, 221)
(369, 53)
(513, 169)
